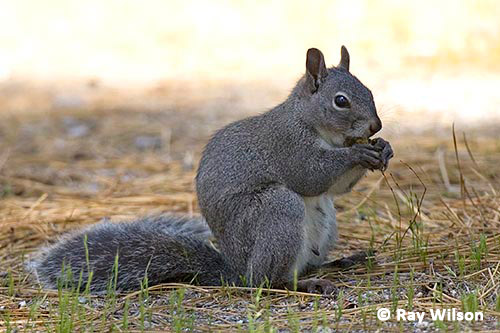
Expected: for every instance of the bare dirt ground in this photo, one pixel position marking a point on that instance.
(433, 219)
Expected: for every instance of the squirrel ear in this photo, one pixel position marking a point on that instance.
(344, 58)
(315, 69)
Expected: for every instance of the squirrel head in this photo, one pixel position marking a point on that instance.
(334, 101)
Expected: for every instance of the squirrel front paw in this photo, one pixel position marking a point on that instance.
(386, 152)
(374, 155)
(368, 156)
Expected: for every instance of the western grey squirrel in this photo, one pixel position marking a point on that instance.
(265, 186)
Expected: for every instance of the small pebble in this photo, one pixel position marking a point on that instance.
(147, 142)
(78, 131)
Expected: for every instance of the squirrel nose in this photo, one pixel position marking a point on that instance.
(375, 126)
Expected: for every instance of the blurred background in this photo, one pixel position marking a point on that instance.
(426, 61)
(96, 95)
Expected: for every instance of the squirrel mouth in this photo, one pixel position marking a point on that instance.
(349, 141)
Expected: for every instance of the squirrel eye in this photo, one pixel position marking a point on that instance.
(341, 102)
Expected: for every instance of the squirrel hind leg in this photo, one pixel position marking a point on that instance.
(361, 257)
(275, 215)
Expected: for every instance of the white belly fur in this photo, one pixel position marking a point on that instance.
(345, 183)
(320, 231)
(320, 225)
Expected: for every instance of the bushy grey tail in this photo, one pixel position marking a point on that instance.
(164, 248)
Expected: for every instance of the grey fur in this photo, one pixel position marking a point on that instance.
(265, 186)
(175, 248)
